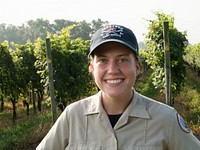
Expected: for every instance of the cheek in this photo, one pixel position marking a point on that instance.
(96, 70)
(130, 69)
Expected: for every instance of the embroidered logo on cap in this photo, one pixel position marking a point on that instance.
(182, 124)
(111, 31)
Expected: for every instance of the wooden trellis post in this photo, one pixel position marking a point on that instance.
(51, 84)
(167, 64)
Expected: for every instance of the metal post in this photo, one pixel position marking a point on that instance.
(167, 64)
(51, 84)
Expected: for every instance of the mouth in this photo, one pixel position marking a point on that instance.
(115, 81)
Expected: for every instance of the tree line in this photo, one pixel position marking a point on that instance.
(41, 27)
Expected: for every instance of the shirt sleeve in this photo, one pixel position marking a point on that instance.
(181, 137)
(58, 135)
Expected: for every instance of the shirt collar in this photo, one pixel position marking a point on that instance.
(95, 105)
(136, 108)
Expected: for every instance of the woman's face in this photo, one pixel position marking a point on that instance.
(114, 68)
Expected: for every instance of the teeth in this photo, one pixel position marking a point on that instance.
(114, 81)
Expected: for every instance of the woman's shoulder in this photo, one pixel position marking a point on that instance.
(155, 107)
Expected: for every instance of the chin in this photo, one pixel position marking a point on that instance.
(114, 93)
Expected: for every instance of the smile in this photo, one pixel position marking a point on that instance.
(114, 81)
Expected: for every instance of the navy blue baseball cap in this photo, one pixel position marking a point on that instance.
(114, 33)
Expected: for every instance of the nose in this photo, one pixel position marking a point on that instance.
(113, 67)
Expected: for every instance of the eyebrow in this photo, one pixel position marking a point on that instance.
(120, 55)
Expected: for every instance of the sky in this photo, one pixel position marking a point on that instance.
(130, 13)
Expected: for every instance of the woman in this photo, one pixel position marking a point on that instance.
(117, 117)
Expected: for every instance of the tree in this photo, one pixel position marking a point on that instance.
(39, 28)
(97, 24)
(4, 73)
(70, 66)
(155, 56)
(192, 55)
(59, 24)
(8, 78)
(82, 29)
(41, 67)
(28, 78)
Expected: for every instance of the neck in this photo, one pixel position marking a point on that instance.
(116, 105)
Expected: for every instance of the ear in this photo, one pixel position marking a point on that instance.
(138, 67)
(91, 67)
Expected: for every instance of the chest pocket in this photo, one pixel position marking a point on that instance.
(83, 147)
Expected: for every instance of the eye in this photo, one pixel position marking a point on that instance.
(123, 60)
(102, 61)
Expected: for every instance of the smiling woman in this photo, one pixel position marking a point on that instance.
(118, 117)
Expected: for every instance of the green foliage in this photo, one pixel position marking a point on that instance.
(24, 67)
(4, 65)
(84, 31)
(145, 86)
(70, 65)
(8, 80)
(192, 55)
(143, 57)
(155, 55)
(191, 99)
(24, 59)
(41, 63)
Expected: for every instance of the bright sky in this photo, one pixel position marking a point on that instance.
(130, 13)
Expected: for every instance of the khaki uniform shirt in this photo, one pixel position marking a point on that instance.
(144, 125)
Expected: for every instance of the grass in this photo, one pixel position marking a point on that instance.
(23, 133)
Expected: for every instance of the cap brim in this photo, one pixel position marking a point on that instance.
(112, 40)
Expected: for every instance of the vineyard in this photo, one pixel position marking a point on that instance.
(25, 106)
